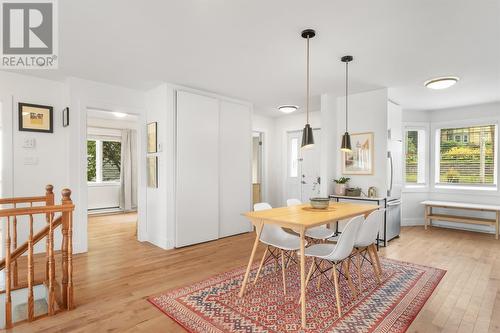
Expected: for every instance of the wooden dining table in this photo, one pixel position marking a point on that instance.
(300, 218)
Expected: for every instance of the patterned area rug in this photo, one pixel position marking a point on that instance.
(213, 305)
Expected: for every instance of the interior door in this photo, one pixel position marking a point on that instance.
(235, 130)
(309, 163)
(197, 183)
(293, 186)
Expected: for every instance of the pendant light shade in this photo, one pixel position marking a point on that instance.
(346, 142)
(346, 138)
(307, 133)
(307, 137)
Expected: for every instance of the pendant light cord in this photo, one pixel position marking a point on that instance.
(307, 82)
(346, 93)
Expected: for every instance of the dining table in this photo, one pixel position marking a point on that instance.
(299, 218)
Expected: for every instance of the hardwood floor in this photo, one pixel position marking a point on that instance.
(118, 273)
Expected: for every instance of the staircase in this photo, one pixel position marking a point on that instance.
(23, 298)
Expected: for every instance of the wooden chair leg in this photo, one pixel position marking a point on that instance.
(360, 274)
(318, 285)
(369, 249)
(337, 292)
(261, 264)
(377, 259)
(283, 271)
(347, 271)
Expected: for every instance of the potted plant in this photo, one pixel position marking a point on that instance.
(340, 185)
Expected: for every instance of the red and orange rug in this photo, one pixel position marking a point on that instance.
(213, 305)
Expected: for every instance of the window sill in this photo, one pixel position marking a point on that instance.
(101, 184)
(415, 188)
(466, 187)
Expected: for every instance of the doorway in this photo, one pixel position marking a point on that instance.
(257, 167)
(302, 167)
(112, 164)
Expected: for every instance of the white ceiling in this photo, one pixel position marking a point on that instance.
(252, 49)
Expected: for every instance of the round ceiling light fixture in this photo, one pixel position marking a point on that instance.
(440, 83)
(288, 108)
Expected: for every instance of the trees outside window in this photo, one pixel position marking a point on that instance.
(103, 161)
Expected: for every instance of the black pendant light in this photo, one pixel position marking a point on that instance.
(346, 138)
(307, 133)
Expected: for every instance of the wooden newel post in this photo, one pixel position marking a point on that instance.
(49, 201)
(67, 252)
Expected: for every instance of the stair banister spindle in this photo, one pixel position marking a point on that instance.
(31, 303)
(49, 201)
(67, 227)
(15, 272)
(8, 299)
(51, 267)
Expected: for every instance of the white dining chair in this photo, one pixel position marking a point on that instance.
(365, 244)
(279, 243)
(293, 202)
(320, 233)
(335, 256)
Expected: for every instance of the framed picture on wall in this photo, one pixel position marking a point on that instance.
(152, 167)
(152, 137)
(359, 161)
(36, 118)
(65, 117)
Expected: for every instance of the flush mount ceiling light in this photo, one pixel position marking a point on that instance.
(441, 82)
(288, 108)
(119, 114)
(307, 133)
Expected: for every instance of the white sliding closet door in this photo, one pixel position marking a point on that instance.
(197, 184)
(235, 168)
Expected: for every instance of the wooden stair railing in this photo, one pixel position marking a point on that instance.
(13, 252)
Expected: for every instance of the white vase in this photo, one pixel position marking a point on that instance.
(340, 189)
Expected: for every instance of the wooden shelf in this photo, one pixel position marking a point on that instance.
(461, 219)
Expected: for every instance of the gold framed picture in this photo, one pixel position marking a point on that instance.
(359, 161)
(152, 167)
(36, 118)
(152, 137)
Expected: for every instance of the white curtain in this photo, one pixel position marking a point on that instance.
(128, 191)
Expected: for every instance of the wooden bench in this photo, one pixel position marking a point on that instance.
(429, 215)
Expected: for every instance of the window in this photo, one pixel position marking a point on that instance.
(469, 158)
(103, 161)
(415, 157)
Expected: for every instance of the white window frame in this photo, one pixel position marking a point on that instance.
(98, 163)
(437, 127)
(423, 154)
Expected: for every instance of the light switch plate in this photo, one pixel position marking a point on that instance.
(29, 143)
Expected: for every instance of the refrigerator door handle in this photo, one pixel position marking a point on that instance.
(389, 155)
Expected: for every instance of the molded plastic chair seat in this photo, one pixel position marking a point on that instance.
(321, 232)
(291, 243)
(319, 250)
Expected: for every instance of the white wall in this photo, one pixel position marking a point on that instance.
(413, 212)
(161, 203)
(50, 149)
(367, 113)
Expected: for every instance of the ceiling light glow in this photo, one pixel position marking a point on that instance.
(288, 108)
(119, 114)
(440, 83)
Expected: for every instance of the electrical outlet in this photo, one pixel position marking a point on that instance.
(30, 160)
